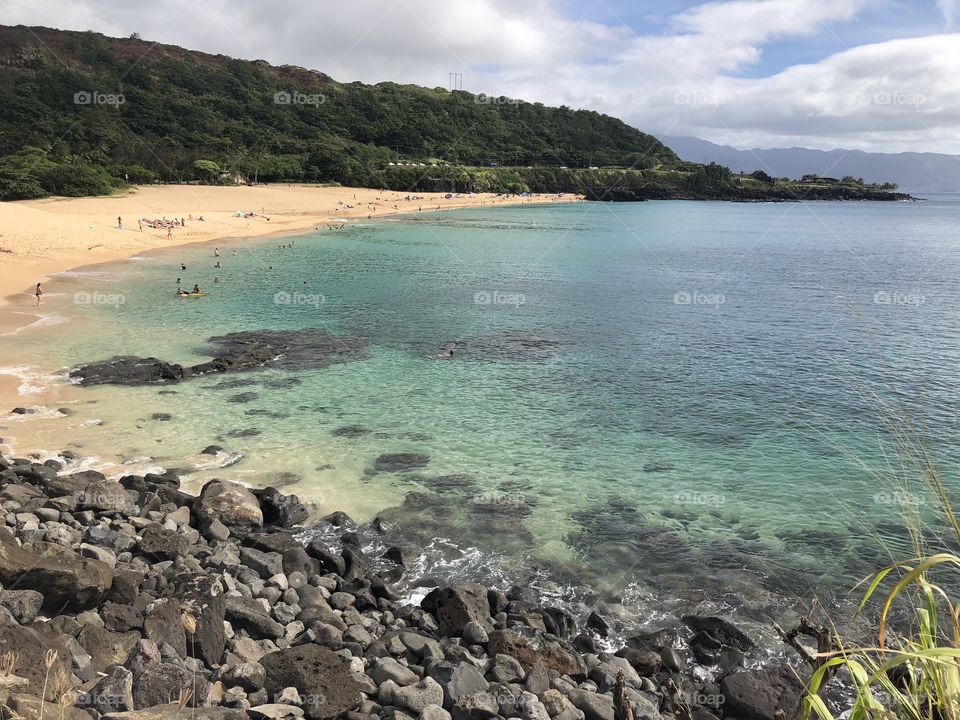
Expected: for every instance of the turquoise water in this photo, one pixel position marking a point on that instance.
(663, 394)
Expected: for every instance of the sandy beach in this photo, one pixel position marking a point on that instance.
(41, 238)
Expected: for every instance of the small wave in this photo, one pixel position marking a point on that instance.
(223, 459)
(41, 321)
(141, 258)
(79, 273)
(36, 412)
(32, 380)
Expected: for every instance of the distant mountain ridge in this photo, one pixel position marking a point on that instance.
(912, 171)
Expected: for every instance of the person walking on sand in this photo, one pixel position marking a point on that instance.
(39, 294)
(119, 223)
(169, 233)
(140, 225)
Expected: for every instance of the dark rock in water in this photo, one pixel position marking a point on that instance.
(243, 397)
(283, 349)
(128, 370)
(282, 479)
(339, 519)
(357, 563)
(23, 411)
(562, 620)
(656, 640)
(511, 345)
(329, 562)
(454, 607)
(351, 431)
(658, 466)
(596, 623)
(279, 509)
(760, 694)
(282, 383)
(211, 450)
(319, 674)
(249, 432)
(162, 417)
(260, 412)
(449, 483)
(399, 556)
(399, 462)
(723, 631)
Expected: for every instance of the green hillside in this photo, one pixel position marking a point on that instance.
(82, 111)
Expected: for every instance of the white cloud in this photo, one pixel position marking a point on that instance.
(686, 79)
(949, 9)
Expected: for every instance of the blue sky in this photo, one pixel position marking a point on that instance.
(881, 75)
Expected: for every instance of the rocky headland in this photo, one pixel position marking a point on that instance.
(131, 598)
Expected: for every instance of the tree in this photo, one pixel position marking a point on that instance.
(762, 177)
(206, 170)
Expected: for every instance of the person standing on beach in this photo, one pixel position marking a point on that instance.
(119, 223)
(39, 294)
(140, 225)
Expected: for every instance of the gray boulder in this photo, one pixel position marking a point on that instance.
(230, 503)
(319, 675)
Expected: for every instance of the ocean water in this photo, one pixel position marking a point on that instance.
(698, 400)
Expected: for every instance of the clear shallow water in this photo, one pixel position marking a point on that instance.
(647, 396)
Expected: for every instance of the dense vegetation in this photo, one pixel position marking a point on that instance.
(84, 113)
(96, 111)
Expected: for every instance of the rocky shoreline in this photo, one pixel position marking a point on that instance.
(134, 599)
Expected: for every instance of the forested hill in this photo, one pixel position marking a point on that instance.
(135, 108)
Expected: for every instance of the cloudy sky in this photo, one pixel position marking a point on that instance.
(879, 75)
